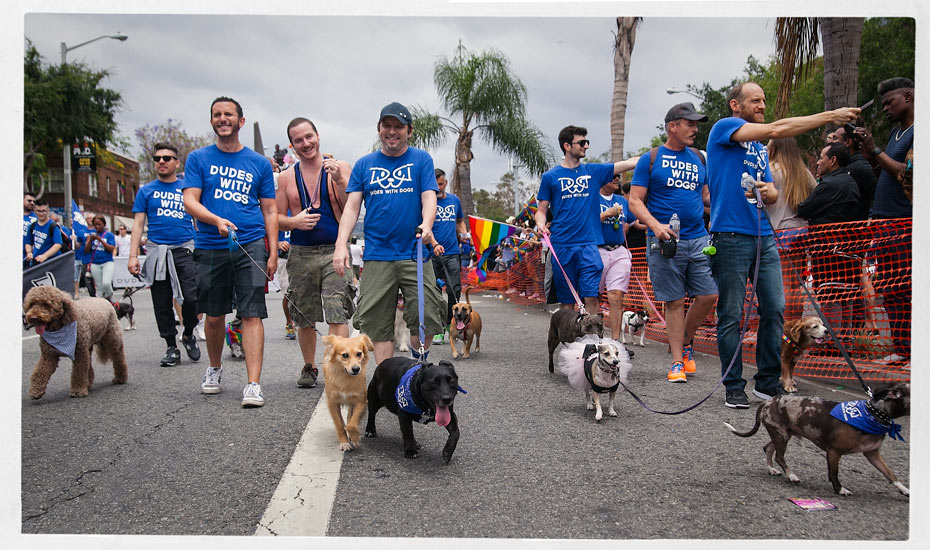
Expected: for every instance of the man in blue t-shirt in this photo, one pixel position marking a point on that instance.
(169, 253)
(29, 201)
(616, 218)
(43, 239)
(571, 188)
(228, 186)
(897, 96)
(734, 149)
(398, 185)
(675, 182)
(448, 230)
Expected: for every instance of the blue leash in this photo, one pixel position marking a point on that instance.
(421, 327)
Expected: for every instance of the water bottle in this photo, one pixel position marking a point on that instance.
(748, 185)
(675, 225)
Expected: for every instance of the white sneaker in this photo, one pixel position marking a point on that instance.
(198, 331)
(894, 357)
(252, 395)
(211, 380)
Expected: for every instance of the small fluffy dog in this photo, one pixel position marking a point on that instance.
(49, 310)
(401, 332)
(826, 424)
(596, 368)
(799, 334)
(567, 325)
(465, 325)
(344, 362)
(632, 322)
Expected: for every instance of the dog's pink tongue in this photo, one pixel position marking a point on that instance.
(818, 340)
(460, 325)
(40, 329)
(443, 417)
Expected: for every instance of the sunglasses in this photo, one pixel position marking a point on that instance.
(582, 142)
(166, 158)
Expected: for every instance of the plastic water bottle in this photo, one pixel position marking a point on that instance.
(748, 185)
(675, 225)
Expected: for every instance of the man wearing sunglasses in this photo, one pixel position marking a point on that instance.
(573, 190)
(169, 262)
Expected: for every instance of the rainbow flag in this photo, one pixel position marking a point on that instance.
(486, 235)
(528, 211)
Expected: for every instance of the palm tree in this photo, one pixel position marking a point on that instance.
(796, 41)
(623, 51)
(485, 97)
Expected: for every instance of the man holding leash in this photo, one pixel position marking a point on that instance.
(448, 229)
(674, 179)
(398, 185)
(738, 225)
(169, 253)
(230, 187)
(571, 189)
(314, 190)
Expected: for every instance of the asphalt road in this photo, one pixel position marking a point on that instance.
(155, 457)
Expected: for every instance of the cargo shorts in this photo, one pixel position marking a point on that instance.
(315, 290)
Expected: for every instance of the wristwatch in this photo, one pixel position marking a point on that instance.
(877, 151)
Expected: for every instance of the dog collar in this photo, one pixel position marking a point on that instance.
(859, 414)
(590, 357)
(64, 339)
(788, 341)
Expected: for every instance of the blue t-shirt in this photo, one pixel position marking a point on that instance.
(726, 162)
(890, 200)
(391, 188)
(41, 240)
(98, 252)
(163, 205)
(674, 187)
(448, 212)
(609, 233)
(27, 219)
(573, 195)
(231, 185)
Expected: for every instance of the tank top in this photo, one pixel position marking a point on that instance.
(327, 229)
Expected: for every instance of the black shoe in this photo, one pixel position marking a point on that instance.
(736, 399)
(768, 393)
(308, 376)
(172, 357)
(629, 351)
(190, 346)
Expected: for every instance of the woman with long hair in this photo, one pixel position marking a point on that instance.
(100, 245)
(793, 181)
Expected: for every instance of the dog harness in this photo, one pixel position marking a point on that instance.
(63, 339)
(590, 357)
(862, 416)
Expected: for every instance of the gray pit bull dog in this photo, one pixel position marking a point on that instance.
(567, 325)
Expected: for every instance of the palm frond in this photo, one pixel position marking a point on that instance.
(428, 129)
(796, 42)
(517, 137)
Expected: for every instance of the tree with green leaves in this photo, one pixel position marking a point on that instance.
(171, 132)
(63, 104)
(482, 95)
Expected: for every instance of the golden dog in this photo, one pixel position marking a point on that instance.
(799, 334)
(465, 325)
(344, 362)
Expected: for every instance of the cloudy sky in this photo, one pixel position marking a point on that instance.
(340, 70)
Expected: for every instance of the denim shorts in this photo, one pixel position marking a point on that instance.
(221, 272)
(685, 274)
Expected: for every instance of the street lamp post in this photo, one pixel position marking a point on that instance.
(671, 91)
(66, 154)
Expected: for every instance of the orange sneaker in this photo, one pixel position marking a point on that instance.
(687, 353)
(677, 372)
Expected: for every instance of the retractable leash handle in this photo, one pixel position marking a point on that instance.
(231, 239)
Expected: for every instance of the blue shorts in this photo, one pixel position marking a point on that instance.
(583, 266)
(686, 274)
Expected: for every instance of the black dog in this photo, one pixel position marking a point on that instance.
(126, 309)
(567, 325)
(811, 418)
(424, 395)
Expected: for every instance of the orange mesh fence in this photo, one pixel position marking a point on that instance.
(859, 273)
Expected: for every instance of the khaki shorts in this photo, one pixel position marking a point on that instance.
(377, 300)
(315, 289)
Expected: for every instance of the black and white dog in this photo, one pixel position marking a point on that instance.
(634, 321)
(125, 309)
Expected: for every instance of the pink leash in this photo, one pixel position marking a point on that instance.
(545, 237)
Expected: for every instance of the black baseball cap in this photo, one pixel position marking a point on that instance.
(686, 111)
(397, 111)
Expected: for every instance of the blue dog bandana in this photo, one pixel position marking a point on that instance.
(857, 415)
(404, 395)
(63, 339)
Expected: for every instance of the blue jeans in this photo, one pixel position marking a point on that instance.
(733, 266)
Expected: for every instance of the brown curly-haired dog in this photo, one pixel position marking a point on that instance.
(48, 308)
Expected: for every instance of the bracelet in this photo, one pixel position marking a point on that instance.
(877, 151)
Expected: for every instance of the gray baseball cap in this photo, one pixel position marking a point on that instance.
(686, 111)
(397, 111)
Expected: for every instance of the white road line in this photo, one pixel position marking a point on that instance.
(303, 500)
(30, 337)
